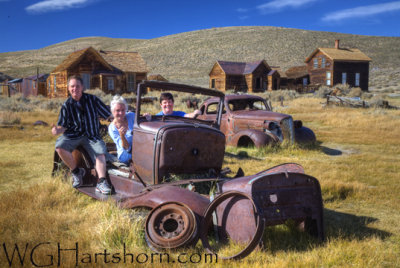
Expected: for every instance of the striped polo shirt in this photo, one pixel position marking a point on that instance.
(81, 118)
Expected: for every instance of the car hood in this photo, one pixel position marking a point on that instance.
(259, 115)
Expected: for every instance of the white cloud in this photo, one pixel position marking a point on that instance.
(277, 5)
(240, 10)
(56, 5)
(362, 11)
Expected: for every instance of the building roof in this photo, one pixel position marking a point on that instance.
(34, 77)
(125, 61)
(341, 54)
(16, 80)
(297, 71)
(157, 77)
(281, 73)
(240, 68)
(75, 56)
(122, 61)
(4, 77)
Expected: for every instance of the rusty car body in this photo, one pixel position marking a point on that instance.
(248, 120)
(180, 216)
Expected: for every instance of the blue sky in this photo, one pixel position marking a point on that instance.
(34, 24)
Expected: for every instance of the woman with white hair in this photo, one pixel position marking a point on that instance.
(121, 128)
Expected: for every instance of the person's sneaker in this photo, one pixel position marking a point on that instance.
(103, 187)
(77, 179)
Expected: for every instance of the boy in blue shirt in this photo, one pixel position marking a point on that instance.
(167, 107)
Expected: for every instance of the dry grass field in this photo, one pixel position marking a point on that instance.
(356, 160)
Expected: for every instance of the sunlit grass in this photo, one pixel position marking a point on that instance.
(355, 159)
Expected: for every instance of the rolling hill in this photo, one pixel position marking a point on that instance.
(188, 57)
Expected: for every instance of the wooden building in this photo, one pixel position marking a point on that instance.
(12, 87)
(4, 87)
(111, 71)
(34, 85)
(274, 80)
(240, 76)
(297, 78)
(331, 66)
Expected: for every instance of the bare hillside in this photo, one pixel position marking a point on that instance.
(188, 57)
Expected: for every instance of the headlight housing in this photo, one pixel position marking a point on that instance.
(273, 128)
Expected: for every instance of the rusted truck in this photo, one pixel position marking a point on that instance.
(248, 120)
(238, 208)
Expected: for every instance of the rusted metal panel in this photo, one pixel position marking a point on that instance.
(188, 150)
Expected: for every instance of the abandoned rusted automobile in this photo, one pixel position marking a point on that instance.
(235, 209)
(248, 120)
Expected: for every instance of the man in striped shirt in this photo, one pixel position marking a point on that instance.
(78, 122)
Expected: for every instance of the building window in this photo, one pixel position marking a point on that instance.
(323, 62)
(110, 83)
(86, 80)
(328, 78)
(212, 83)
(305, 81)
(357, 80)
(344, 78)
(131, 82)
(48, 87)
(315, 63)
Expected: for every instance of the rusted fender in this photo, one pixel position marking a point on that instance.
(279, 196)
(258, 137)
(247, 227)
(196, 202)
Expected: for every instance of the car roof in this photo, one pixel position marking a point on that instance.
(236, 97)
(161, 85)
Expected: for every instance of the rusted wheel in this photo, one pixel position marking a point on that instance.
(244, 248)
(171, 225)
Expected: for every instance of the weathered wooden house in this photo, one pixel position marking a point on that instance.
(241, 76)
(111, 71)
(4, 87)
(28, 86)
(12, 87)
(274, 80)
(34, 85)
(331, 66)
(298, 78)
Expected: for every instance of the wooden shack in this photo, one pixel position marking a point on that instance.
(274, 80)
(240, 76)
(298, 78)
(110, 71)
(331, 66)
(34, 85)
(12, 87)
